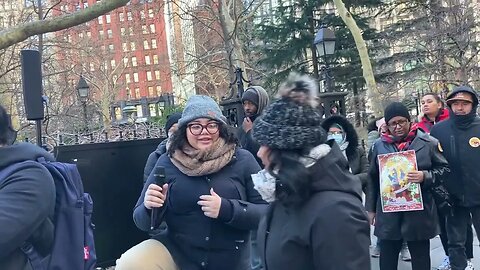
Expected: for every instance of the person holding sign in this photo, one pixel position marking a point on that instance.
(405, 163)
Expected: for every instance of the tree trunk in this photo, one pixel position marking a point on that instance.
(372, 90)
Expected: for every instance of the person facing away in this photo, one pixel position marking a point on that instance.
(459, 138)
(170, 127)
(254, 101)
(316, 219)
(414, 227)
(27, 199)
(343, 133)
(433, 111)
(208, 201)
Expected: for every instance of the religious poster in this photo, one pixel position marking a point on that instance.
(397, 194)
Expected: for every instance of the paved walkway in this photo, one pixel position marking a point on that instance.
(437, 255)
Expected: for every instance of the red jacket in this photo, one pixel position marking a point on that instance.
(425, 124)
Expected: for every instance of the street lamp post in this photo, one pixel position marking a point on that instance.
(83, 91)
(325, 44)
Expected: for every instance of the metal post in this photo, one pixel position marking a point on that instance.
(85, 122)
(239, 79)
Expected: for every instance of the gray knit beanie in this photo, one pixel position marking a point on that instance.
(201, 107)
(293, 121)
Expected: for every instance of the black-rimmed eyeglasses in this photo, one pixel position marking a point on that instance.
(197, 129)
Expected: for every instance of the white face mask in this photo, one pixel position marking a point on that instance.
(264, 183)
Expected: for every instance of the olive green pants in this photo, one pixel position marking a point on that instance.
(148, 255)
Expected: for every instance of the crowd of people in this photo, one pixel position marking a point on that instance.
(287, 188)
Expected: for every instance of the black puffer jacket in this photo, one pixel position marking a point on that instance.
(412, 225)
(357, 159)
(27, 198)
(196, 241)
(153, 157)
(330, 231)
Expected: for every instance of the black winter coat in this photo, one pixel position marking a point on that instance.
(153, 157)
(248, 143)
(461, 147)
(330, 231)
(195, 240)
(412, 225)
(357, 159)
(27, 198)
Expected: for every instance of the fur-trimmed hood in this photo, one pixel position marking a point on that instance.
(351, 133)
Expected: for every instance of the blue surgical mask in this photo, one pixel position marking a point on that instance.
(337, 137)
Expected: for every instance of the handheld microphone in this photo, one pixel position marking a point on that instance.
(159, 180)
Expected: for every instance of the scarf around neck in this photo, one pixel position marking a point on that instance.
(194, 162)
(401, 143)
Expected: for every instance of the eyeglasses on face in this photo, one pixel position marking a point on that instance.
(197, 129)
(400, 123)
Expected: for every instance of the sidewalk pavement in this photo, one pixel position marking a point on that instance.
(436, 254)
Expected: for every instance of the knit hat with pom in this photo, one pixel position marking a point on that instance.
(293, 121)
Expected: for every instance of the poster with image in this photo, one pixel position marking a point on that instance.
(397, 194)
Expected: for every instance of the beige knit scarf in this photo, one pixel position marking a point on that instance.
(194, 162)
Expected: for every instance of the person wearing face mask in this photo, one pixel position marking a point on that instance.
(343, 133)
(414, 227)
(459, 139)
(170, 127)
(316, 220)
(208, 201)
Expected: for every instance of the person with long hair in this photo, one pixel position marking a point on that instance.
(433, 111)
(414, 227)
(316, 219)
(208, 201)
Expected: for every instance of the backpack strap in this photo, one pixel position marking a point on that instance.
(33, 257)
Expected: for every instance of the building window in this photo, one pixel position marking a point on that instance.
(157, 75)
(124, 47)
(142, 14)
(134, 61)
(146, 46)
(125, 62)
(121, 16)
(152, 28)
(149, 76)
(154, 43)
(112, 64)
(118, 113)
(111, 47)
(80, 35)
(144, 29)
(159, 90)
(85, 4)
(139, 107)
(152, 109)
(132, 46)
(155, 59)
(127, 78)
(108, 19)
(122, 31)
(135, 77)
(150, 13)
(100, 33)
(92, 67)
(147, 60)
(109, 33)
(129, 16)
(100, 20)
(137, 95)
(130, 31)
(150, 91)
(89, 34)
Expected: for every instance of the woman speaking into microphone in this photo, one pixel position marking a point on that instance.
(208, 201)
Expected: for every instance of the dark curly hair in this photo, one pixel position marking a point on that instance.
(179, 137)
(293, 179)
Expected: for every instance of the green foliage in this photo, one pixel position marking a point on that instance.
(162, 120)
(287, 41)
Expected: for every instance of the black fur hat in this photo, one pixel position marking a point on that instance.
(293, 121)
